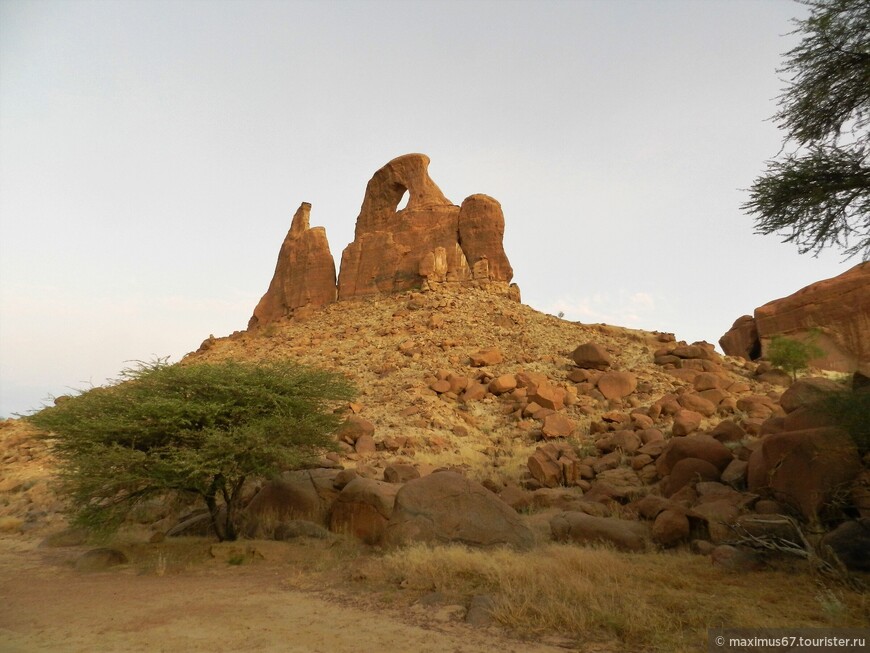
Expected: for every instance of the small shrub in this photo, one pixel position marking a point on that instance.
(792, 355)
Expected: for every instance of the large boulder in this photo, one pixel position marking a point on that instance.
(806, 392)
(581, 528)
(833, 313)
(447, 507)
(304, 494)
(428, 242)
(363, 509)
(805, 469)
(742, 339)
(850, 541)
(700, 446)
(304, 274)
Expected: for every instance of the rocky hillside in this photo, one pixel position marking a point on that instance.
(552, 414)
(601, 432)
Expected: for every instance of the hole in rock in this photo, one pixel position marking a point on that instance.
(403, 203)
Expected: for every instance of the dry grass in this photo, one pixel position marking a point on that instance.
(661, 602)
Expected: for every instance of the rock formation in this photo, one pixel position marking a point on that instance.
(430, 241)
(304, 275)
(834, 312)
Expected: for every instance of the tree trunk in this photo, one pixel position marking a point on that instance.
(211, 502)
(231, 497)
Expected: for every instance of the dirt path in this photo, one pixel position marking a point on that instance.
(48, 606)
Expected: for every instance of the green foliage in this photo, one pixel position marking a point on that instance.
(851, 412)
(792, 355)
(819, 193)
(201, 429)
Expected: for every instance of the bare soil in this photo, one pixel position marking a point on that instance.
(214, 606)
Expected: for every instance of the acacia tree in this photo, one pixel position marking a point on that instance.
(200, 429)
(792, 355)
(817, 191)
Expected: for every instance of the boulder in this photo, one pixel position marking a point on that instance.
(581, 528)
(693, 446)
(670, 528)
(400, 473)
(554, 464)
(742, 339)
(688, 471)
(697, 403)
(806, 392)
(447, 507)
(616, 385)
(728, 431)
(363, 509)
(485, 357)
(718, 515)
(502, 384)
(100, 559)
(557, 426)
(304, 494)
(850, 542)
(686, 421)
(546, 396)
(805, 469)
(304, 275)
(591, 356)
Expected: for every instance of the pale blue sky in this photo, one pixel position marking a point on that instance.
(152, 155)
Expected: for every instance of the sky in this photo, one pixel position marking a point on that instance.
(152, 155)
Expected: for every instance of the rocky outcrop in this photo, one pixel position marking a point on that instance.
(304, 275)
(428, 242)
(742, 339)
(834, 313)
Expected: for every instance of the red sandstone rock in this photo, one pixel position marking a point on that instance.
(484, 357)
(304, 274)
(834, 312)
(430, 241)
(557, 426)
(616, 385)
(741, 339)
(591, 355)
(804, 468)
(481, 230)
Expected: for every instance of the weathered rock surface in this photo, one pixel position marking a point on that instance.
(363, 509)
(834, 313)
(304, 274)
(585, 529)
(742, 339)
(804, 468)
(428, 242)
(850, 541)
(305, 494)
(447, 507)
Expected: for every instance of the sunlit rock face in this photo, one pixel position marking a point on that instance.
(833, 313)
(430, 241)
(304, 275)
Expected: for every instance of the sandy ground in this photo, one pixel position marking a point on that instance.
(49, 606)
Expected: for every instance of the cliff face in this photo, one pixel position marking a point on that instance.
(834, 312)
(431, 241)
